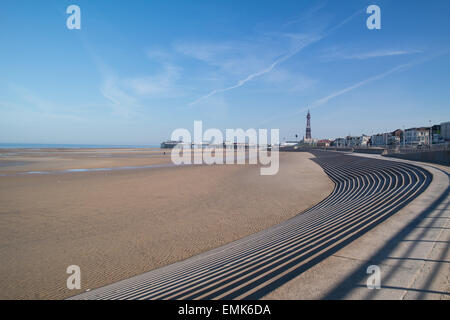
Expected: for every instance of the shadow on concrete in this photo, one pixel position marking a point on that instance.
(360, 275)
(418, 259)
(411, 289)
(433, 241)
(342, 241)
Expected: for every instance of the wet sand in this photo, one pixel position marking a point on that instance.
(53, 160)
(121, 223)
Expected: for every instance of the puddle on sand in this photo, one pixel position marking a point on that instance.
(161, 165)
(13, 163)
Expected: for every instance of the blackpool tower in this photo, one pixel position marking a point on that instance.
(308, 126)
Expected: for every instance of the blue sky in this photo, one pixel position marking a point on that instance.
(137, 70)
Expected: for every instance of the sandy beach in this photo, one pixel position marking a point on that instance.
(120, 223)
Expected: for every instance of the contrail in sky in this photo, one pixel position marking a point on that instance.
(278, 61)
(324, 100)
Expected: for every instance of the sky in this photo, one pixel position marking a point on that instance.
(137, 70)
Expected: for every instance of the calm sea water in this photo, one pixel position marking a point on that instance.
(69, 146)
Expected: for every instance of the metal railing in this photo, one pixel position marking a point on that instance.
(398, 149)
(418, 148)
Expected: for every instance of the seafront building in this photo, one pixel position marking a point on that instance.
(324, 143)
(339, 142)
(417, 136)
(394, 138)
(411, 137)
(445, 131)
(357, 141)
(379, 140)
(436, 134)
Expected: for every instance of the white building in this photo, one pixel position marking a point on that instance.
(417, 136)
(364, 140)
(358, 141)
(393, 138)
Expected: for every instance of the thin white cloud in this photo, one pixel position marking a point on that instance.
(253, 75)
(386, 53)
(111, 90)
(158, 54)
(303, 43)
(126, 94)
(231, 57)
(307, 15)
(161, 83)
(336, 94)
(337, 54)
(261, 72)
(287, 81)
(207, 52)
(398, 68)
(326, 99)
(29, 101)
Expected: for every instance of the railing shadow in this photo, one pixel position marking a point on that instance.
(282, 277)
(355, 279)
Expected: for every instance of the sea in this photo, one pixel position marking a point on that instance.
(72, 146)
